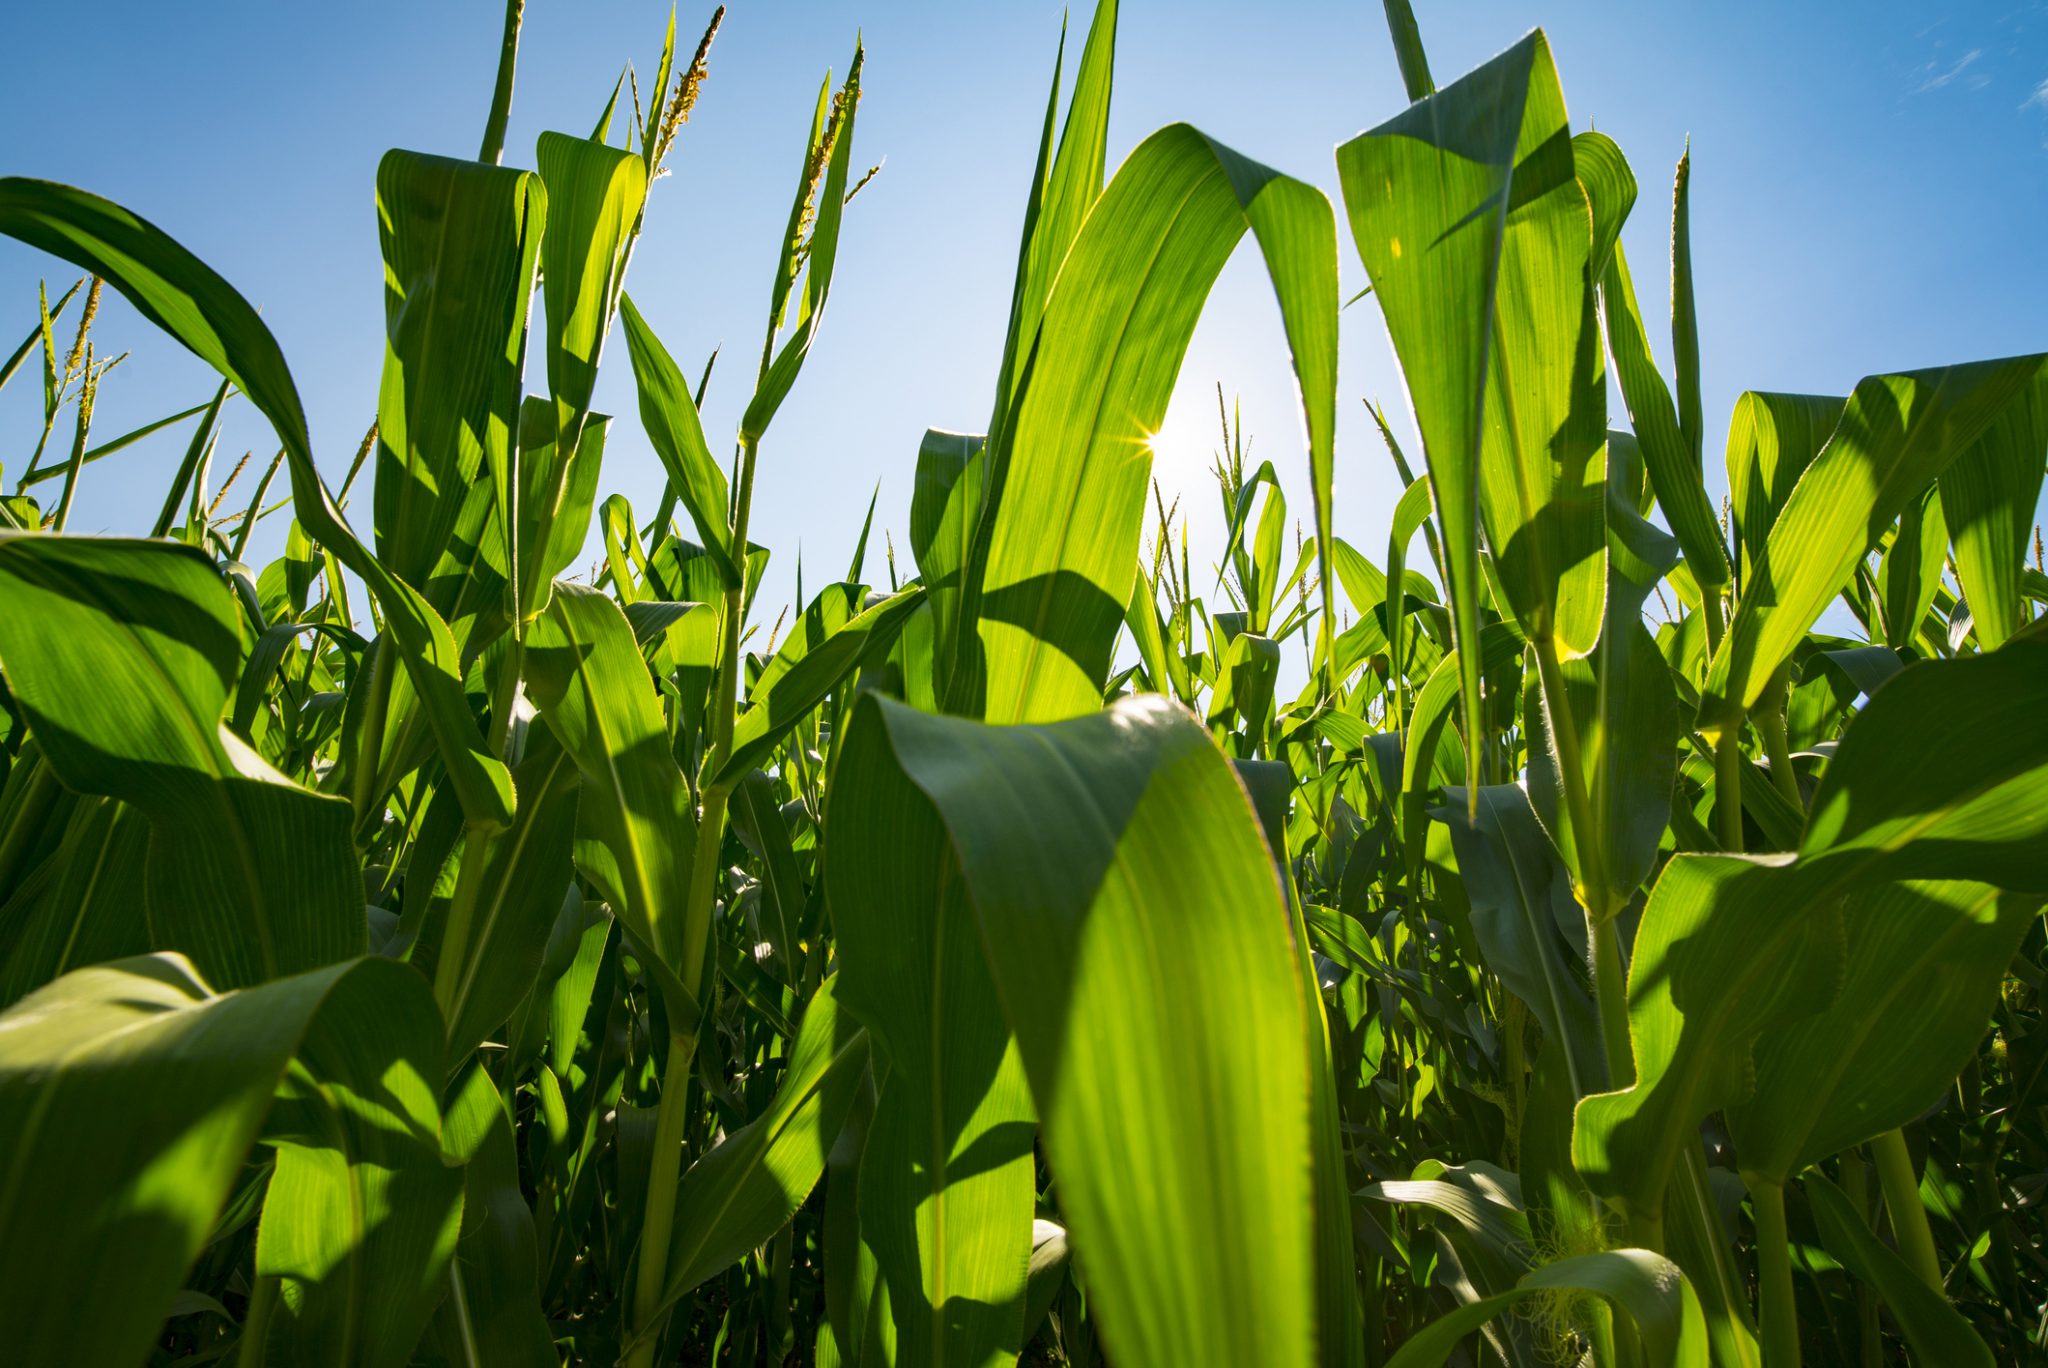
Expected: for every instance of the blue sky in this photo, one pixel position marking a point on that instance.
(1870, 188)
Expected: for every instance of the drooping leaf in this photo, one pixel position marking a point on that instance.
(1646, 1287)
(1473, 226)
(1897, 434)
(124, 1209)
(1989, 495)
(248, 874)
(1936, 1330)
(1110, 1007)
(1942, 776)
(1052, 567)
(749, 1185)
(636, 827)
(185, 297)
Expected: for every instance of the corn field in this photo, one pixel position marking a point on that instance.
(487, 934)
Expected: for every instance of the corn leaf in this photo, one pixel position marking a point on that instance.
(1920, 977)
(636, 826)
(186, 298)
(1647, 1288)
(1989, 495)
(1896, 436)
(1951, 754)
(250, 875)
(362, 1215)
(1053, 567)
(1476, 233)
(124, 1209)
(669, 415)
(743, 1191)
(1937, 1331)
(460, 241)
(821, 653)
(946, 1178)
(1156, 940)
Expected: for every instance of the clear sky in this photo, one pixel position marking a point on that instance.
(1870, 190)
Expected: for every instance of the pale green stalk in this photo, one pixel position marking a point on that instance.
(1902, 1202)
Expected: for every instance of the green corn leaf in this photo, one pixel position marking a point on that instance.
(492, 1313)
(1476, 233)
(1989, 495)
(945, 506)
(1937, 1331)
(594, 196)
(1920, 978)
(121, 443)
(1063, 190)
(1896, 435)
(556, 491)
(636, 826)
(1909, 575)
(1944, 775)
(743, 1191)
(1625, 716)
(669, 415)
(946, 1173)
(250, 875)
(1489, 1228)
(1685, 328)
(1654, 1296)
(1672, 463)
(97, 908)
(124, 1209)
(1772, 439)
(1529, 926)
(521, 895)
(460, 241)
(1148, 1051)
(1409, 515)
(1408, 51)
(822, 652)
(185, 297)
(1053, 566)
(363, 1213)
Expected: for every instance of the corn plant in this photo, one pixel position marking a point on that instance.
(1543, 938)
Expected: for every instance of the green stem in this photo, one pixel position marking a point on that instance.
(1774, 1275)
(1870, 1334)
(1728, 787)
(501, 96)
(1610, 982)
(370, 742)
(458, 1298)
(1770, 724)
(651, 1277)
(77, 462)
(1710, 605)
(1902, 1201)
(256, 1322)
(670, 1117)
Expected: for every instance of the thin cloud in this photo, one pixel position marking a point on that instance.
(2039, 97)
(1937, 82)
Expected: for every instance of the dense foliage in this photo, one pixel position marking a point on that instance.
(1626, 946)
